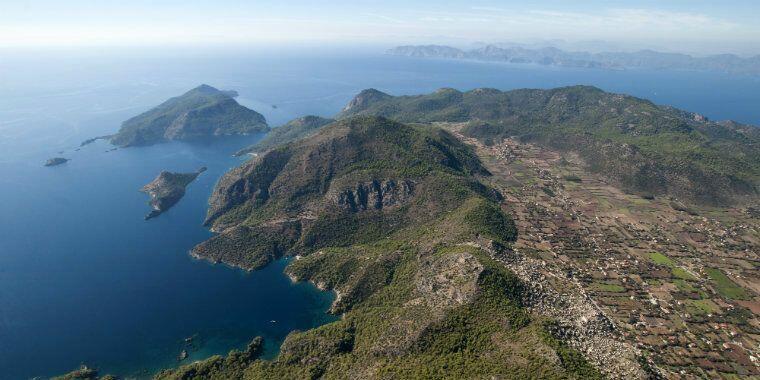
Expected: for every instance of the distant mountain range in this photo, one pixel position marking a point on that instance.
(727, 63)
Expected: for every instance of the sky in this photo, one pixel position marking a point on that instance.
(708, 26)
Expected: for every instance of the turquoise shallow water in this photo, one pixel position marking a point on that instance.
(83, 279)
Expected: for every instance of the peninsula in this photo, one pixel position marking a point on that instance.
(200, 113)
(167, 189)
(560, 233)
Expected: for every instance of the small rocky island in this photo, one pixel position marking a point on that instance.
(167, 189)
(55, 161)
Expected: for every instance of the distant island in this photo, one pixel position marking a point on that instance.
(202, 112)
(55, 161)
(293, 130)
(167, 189)
(551, 56)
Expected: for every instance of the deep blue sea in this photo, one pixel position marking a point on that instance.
(84, 279)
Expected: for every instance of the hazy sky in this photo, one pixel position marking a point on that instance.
(708, 25)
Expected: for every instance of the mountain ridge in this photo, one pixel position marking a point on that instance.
(668, 151)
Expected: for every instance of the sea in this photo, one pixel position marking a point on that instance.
(85, 280)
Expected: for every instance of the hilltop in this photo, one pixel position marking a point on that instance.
(202, 112)
(664, 151)
(55, 161)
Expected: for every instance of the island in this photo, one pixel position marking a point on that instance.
(55, 161)
(201, 113)
(167, 189)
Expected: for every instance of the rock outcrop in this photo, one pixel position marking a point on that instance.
(374, 194)
(552, 56)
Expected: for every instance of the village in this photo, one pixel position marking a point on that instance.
(678, 286)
